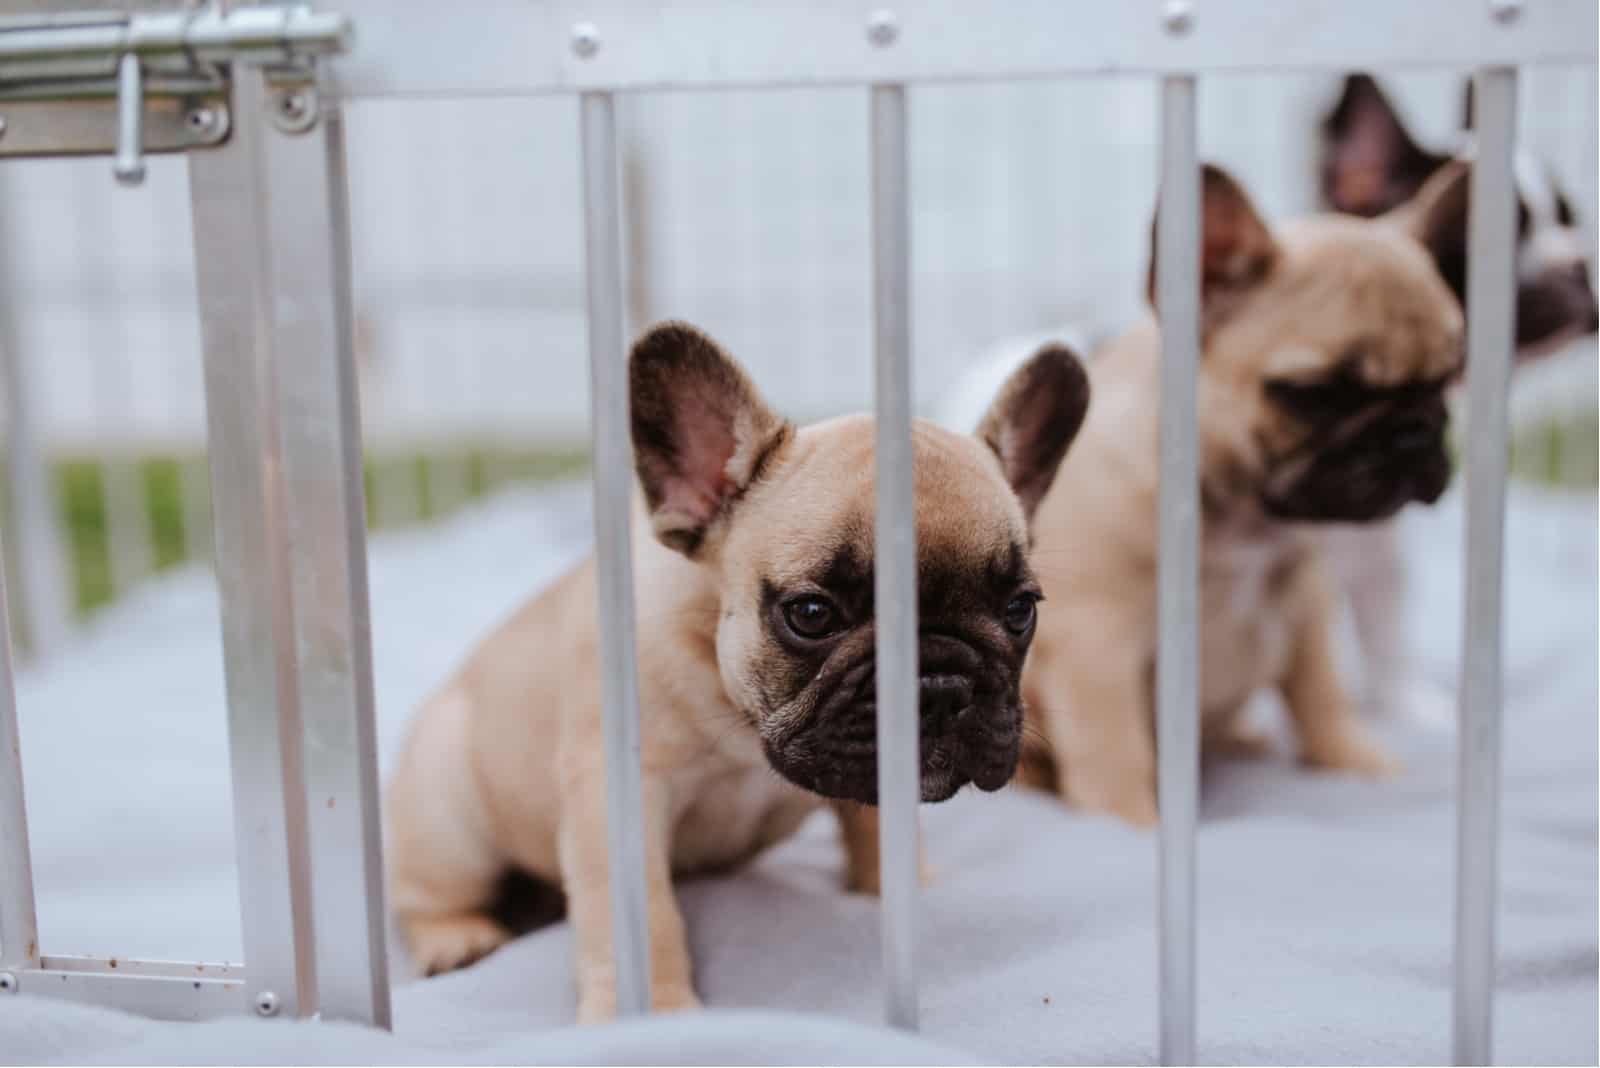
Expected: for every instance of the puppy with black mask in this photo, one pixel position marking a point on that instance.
(754, 577)
(1371, 165)
(1326, 347)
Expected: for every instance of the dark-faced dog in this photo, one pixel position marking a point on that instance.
(756, 661)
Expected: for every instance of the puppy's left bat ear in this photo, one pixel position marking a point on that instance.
(701, 432)
(1033, 420)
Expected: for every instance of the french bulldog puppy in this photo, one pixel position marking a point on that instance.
(1372, 165)
(754, 579)
(1326, 347)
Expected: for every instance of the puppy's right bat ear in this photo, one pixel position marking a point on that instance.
(1370, 163)
(701, 432)
(1033, 420)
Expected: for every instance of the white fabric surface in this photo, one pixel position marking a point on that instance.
(1325, 904)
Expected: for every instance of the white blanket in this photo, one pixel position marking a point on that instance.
(1325, 904)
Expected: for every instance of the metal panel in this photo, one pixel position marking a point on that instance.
(613, 494)
(19, 930)
(163, 990)
(308, 234)
(895, 553)
(1490, 339)
(83, 126)
(1177, 660)
(511, 46)
(254, 576)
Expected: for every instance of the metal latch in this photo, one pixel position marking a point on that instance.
(127, 84)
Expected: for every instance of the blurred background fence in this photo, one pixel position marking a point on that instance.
(746, 213)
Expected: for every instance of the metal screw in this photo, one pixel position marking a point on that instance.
(8, 983)
(1505, 11)
(882, 29)
(200, 121)
(1178, 17)
(585, 39)
(294, 110)
(266, 1003)
(2, 125)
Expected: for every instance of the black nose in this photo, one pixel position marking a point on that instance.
(944, 698)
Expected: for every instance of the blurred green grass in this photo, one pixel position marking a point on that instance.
(416, 478)
(410, 487)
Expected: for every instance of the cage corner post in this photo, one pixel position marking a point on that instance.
(283, 441)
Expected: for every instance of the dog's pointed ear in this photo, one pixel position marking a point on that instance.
(1437, 218)
(1237, 248)
(701, 432)
(1370, 164)
(1033, 419)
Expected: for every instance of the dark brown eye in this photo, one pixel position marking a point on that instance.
(1020, 613)
(811, 617)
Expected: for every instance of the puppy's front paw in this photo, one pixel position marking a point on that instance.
(1131, 802)
(674, 998)
(1352, 753)
(1239, 742)
(598, 1003)
(441, 944)
(870, 881)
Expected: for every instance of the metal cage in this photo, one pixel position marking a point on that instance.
(252, 95)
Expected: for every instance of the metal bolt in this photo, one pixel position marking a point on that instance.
(8, 983)
(1177, 16)
(1505, 11)
(882, 29)
(294, 110)
(200, 121)
(266, 1003)
(585, 39)
(2, 125)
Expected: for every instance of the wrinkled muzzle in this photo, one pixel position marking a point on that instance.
(1365, 472)
(969, 725)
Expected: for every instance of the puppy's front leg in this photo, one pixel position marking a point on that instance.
(859, 833)
(1330, 736)
(584, 869)
(1093, 702)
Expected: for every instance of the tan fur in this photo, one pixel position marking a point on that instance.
(1265, 607)
(504, 766)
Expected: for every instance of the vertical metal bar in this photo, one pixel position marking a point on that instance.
(307, 221)
(1490, 333)
(1177, 664)
(233, 259)
(36, 537)
(128, 166)
(613, 493)
(19, 929)
(899, 701)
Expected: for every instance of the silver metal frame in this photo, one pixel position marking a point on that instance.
(274, 280)
(613, 509)
(1491, 333)
(895, 552)
(1178, 578)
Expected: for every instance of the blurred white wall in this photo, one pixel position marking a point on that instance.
(747, 214)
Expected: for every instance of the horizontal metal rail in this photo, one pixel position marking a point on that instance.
(83, 45)
(511, 47)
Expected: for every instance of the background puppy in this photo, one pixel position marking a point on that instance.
(1372, 165)
(1326, 349)
(755, 643)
